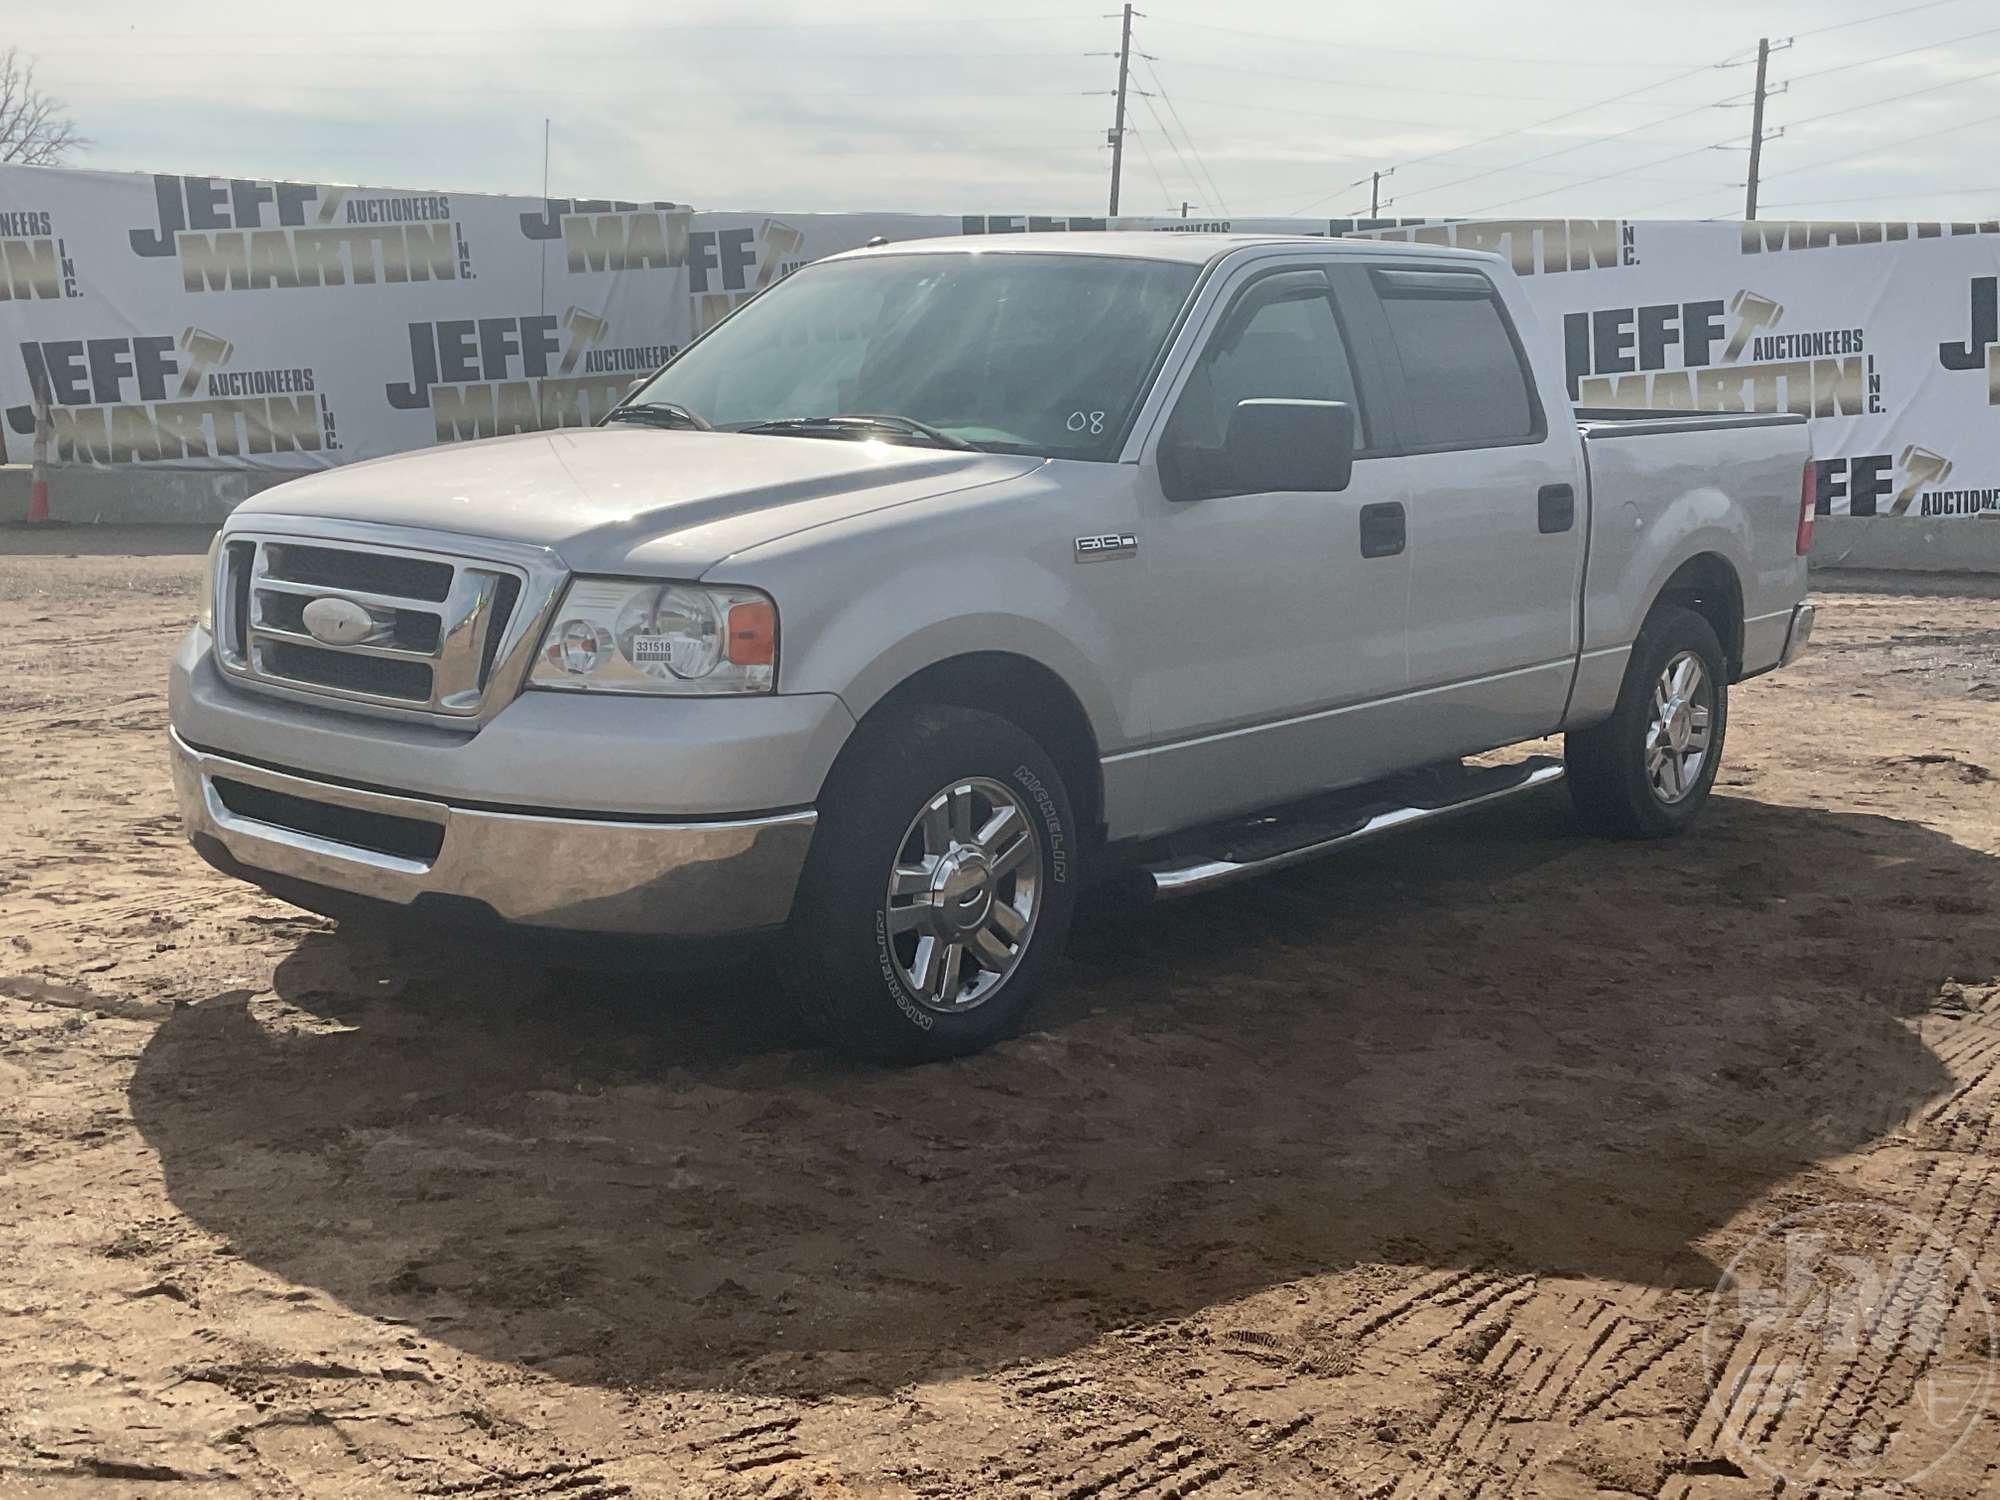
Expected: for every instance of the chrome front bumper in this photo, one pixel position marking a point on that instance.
(1799, 634)
(699, 879)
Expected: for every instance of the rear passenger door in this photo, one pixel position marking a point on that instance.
(1496, 524)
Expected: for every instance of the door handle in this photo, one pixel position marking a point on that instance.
(1383, 529)
(1555, 508)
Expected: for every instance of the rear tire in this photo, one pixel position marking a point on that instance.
(1646, 771)
(939, 887)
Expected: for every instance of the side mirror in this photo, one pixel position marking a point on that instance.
(1281, 444)
(1273, 443)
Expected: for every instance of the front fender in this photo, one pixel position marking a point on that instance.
(866, 605)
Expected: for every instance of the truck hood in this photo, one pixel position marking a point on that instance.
(635, 499)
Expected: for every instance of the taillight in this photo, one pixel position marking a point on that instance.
(1808, 505)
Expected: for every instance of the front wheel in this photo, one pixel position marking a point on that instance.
(939, 888)
(1646, 771)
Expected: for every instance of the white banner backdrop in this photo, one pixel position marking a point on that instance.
(215, 322)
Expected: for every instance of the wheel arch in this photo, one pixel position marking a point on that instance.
(1709, 584)
(1025, 692)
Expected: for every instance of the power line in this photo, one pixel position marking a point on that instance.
(1812, 120)
(1870, 150)
(1978, 192)
(1327, 79)
(1578, 146)
(1186, 134)
(1950, 83)
(1152, 166)
(1600, 177)
(1538, 124)
(622, 31)
(1869, 62)
(1720, 187)
(1346, 47)
(1866, 20)
(536, 91)
(1167, 136)
(1216, 102)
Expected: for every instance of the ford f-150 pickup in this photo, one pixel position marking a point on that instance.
(942, 576)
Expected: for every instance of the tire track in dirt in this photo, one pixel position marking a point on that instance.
(758, 1451)
(1095, 1443)
(1556, 1364)
(581, 1481)
(1869, 1380)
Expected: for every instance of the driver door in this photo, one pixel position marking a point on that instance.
(1277, 621)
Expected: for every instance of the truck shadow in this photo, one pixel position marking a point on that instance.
(1502, 1045)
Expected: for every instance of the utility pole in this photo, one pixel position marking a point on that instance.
(1375, 198)
(1185, 206)
(1757, 128)
(1118, 124)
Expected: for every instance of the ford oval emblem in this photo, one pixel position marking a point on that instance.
(337, 622)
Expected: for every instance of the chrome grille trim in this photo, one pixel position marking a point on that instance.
(480, 633)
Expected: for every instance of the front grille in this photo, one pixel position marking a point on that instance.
(380, 833)
(412, 629)
(406, 681)
(375, 572)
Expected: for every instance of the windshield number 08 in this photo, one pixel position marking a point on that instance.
(1086, 421)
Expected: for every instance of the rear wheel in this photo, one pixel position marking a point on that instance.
(1646, 771)
(939, 887)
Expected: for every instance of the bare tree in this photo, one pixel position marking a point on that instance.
(34, 131)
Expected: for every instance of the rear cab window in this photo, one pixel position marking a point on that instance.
(1466, 379)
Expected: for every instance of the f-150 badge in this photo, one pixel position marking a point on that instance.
(1111, 544)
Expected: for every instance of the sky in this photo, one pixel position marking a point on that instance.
(1889, 109)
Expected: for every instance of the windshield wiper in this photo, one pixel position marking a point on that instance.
(660, 414)
(861, 425)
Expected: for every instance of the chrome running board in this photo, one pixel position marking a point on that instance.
(1264, 850)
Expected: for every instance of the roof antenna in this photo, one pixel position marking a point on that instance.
(874, 240)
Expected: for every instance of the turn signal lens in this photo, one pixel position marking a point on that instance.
(751, 639)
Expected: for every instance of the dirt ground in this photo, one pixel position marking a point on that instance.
(1409, 1174)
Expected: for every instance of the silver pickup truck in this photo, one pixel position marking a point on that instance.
(943, 576)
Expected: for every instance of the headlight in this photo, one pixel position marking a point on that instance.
(612, 635)
(205, 610)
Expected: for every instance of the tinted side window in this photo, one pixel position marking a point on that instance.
(1279, 338)
(1466, 381)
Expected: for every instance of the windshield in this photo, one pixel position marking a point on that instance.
(1019, 353)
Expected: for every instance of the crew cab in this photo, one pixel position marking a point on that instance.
(942, 577)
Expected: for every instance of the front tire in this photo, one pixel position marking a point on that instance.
(939, 888)
(1646, 771)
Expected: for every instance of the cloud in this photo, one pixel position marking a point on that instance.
(900, 106)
